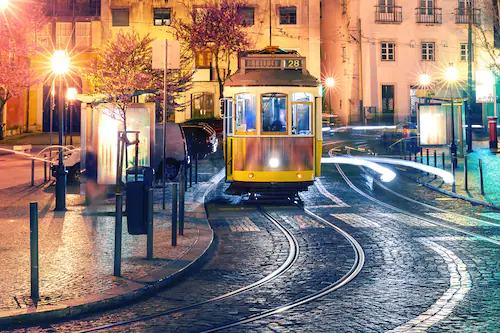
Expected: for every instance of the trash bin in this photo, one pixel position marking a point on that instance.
(137, 198)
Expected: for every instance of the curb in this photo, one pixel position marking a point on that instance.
(131, 290)
(455, 195)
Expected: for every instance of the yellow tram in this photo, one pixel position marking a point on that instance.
(272, 124)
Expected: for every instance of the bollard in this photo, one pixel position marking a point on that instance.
(44, 168)
(466, 180)
(427, 155)
(191, 173)
(182, 195)
(32, 172)
(421, 155)
(196, 169)
(174, 214)
(435, 159)
(443, 158)
(150, 225)
(481, 175)
(118, 235)
(35, 295)
(492, 132)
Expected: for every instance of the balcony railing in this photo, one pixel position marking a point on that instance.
(429, 15)
(90, 8)
(462, 16)
(388, 14)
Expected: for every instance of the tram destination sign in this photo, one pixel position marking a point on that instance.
(292, 63)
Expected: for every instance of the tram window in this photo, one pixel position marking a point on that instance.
(302, 97)
(274, 113)
(246, 111)
(301, 118)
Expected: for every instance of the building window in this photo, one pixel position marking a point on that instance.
(203, 60)
(288, 15)
(83, 37)
(343, 54)
(426, 7)
(202, 105)
(464, 52)
(428, 51)
(247, 16)
(44, 36)
(63, 35)
(388, 51)
(120, 17)
(162, 16)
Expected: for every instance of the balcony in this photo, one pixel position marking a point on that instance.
(462, 16)
(388, 14)
(88, 9)
(429, 15)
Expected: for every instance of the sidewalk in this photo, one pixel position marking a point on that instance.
(76, 250)
(491, 174)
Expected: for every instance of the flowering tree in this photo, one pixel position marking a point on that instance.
(217, 29)
(18, 28)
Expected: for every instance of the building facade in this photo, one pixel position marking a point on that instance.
(378, 50)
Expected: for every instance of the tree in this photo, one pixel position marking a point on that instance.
(217, 29)
(19, 24)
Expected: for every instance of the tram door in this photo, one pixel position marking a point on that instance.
(227, 116)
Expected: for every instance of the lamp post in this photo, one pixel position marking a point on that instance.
(3, 6)
(451, 77)
(60, 66)
(329, 84)
(71, 96)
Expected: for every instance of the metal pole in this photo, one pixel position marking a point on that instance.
(481, 175)
(61, 169)
(174, 214)
(71, 123)
(164, 167)
(453, 173)
(191, 173)
(427, 155)
(435, 159)
(44, 168)
(421, 155)
(443, 159)
(469, 80)
(34, 251)
(182, 190)
(118, 235)
(453, 146)
(466, 178)
(185, 173)
(32, 172)
(150, 225)
(51, 118)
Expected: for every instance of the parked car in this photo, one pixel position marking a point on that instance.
(72, 164)
(201, 139)
(215, 123)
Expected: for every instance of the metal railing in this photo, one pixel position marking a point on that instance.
(462, 16)
(429, 15)
(388, 14)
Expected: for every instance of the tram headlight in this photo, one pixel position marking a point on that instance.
(274, 162)
(299, 176)
(250, 175)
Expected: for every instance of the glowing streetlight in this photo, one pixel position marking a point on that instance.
(424, 79)
(451, 77)
(330, 82)
(4, 4)
(60, 66)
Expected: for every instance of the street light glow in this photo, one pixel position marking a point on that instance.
(71, 94)
(4, 4)
(451, 74)
(425, 79)
(60, 62)
(330, 82)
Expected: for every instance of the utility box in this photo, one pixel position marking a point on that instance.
(137, 202)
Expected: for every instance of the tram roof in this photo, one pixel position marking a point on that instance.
(272, 77)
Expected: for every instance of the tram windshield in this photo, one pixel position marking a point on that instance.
(274, 113)
(301, 111)
(246, 112)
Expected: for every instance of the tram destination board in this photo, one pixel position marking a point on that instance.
(293, 63)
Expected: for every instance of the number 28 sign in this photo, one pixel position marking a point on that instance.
(293, 63)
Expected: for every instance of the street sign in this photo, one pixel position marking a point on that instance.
(173, 48)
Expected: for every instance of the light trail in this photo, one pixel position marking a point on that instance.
(387, 175)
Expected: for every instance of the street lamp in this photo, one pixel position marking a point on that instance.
(451, 77)
(4, 4)
(425, 80)
(330, 82)
(71, 96)
(60, 66)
